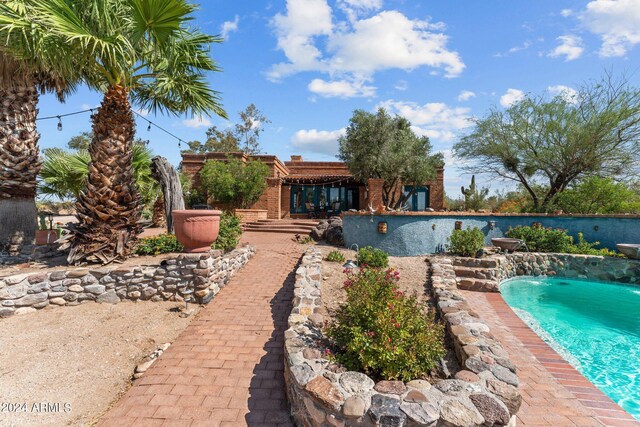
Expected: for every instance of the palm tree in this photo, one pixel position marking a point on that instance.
(138, 51)
(22, 78)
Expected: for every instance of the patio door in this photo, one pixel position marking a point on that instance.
(419, 201)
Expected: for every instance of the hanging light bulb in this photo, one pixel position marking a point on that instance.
(149, 127)
(179, 143)
(59, 123)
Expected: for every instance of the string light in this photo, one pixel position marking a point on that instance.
(90, 110)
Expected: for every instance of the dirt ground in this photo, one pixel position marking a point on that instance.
(413, 275)
(75, 362)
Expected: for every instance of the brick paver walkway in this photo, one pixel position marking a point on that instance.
(553, 392)
(226, 368)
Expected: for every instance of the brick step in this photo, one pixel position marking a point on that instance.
(472, 284)
(293, 221)
(475, 262)
(277, 227)
(282, 224)
(289, 230)
(475, 272)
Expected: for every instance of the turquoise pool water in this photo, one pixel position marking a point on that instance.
(595, 326)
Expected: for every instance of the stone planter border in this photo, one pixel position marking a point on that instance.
(322, 393)
(201, 275)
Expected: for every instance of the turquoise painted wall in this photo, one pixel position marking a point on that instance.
(410, 235)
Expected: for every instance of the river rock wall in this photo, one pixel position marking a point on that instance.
(198, 275)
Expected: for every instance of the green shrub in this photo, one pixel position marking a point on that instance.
(156, 245)
(230, 232)
(335, 256)
(585, 248)
(382, 332)
(466, 242)
(540, 239)
(373, 257)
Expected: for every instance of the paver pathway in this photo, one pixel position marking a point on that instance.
(553, 392)
(226, 368)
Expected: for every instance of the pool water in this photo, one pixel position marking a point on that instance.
(595, 326)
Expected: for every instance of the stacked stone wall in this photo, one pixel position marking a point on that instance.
(198, 275)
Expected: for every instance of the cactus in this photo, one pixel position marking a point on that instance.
(474, 199)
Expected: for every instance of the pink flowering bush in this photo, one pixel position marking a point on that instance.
(383, 332)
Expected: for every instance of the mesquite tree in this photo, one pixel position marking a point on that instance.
(546, 145)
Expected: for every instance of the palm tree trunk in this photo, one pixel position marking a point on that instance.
(19, 165)
(109, 207)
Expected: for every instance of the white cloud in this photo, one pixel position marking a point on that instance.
(524, 46)
(398, 42)
(617, 22)
(569, 46)
(511, 97)
(355, 8)
(229, 27)
(305, 20)
(435, 120)
(318, 141)
(312, 39)
(466, 95)
(566, 12)
(569, 94)
(401, 85)
(197, 122)
(341, 88)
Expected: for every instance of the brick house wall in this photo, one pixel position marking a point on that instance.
(276, 198)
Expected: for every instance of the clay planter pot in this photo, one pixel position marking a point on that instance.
(196, 229)
(46, 237)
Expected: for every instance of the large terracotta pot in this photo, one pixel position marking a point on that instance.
(196, 229)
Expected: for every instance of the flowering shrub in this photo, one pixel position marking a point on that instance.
(383, 332)
(373, 257)
(156, 245)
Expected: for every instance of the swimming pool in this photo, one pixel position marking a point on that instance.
(595, 326)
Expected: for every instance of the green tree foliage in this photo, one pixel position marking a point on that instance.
(474, 197)
(80, 142)
(234, 182)
(244, 136)
(546, 145)
(597, 195)
(229, 234)
(64, 172)
(384, 147)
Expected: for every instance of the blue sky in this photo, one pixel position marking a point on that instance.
(307, 64)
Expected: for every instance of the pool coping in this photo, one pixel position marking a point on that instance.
(603, 408)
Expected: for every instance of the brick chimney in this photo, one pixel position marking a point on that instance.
(296, 158)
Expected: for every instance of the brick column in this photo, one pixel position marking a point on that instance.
(285, 201)
(375, 193)
(436, 191)
(273, 193)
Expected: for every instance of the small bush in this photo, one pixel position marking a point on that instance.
(382, 332)
(335, 256)
(156, 245)
(585, 248)
(230, 232)
(306, 240)
(466, 242)
(373, 257)
(540, 239)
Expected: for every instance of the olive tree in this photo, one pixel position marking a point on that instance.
(234, 182)
(377, 145)
(547, 144)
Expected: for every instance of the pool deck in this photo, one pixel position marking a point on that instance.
(553, 392)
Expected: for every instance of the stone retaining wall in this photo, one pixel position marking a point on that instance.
(486, 274)
(325, 394)
(200, 275)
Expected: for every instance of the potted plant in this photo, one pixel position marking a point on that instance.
(196, 229)
(46, 235)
